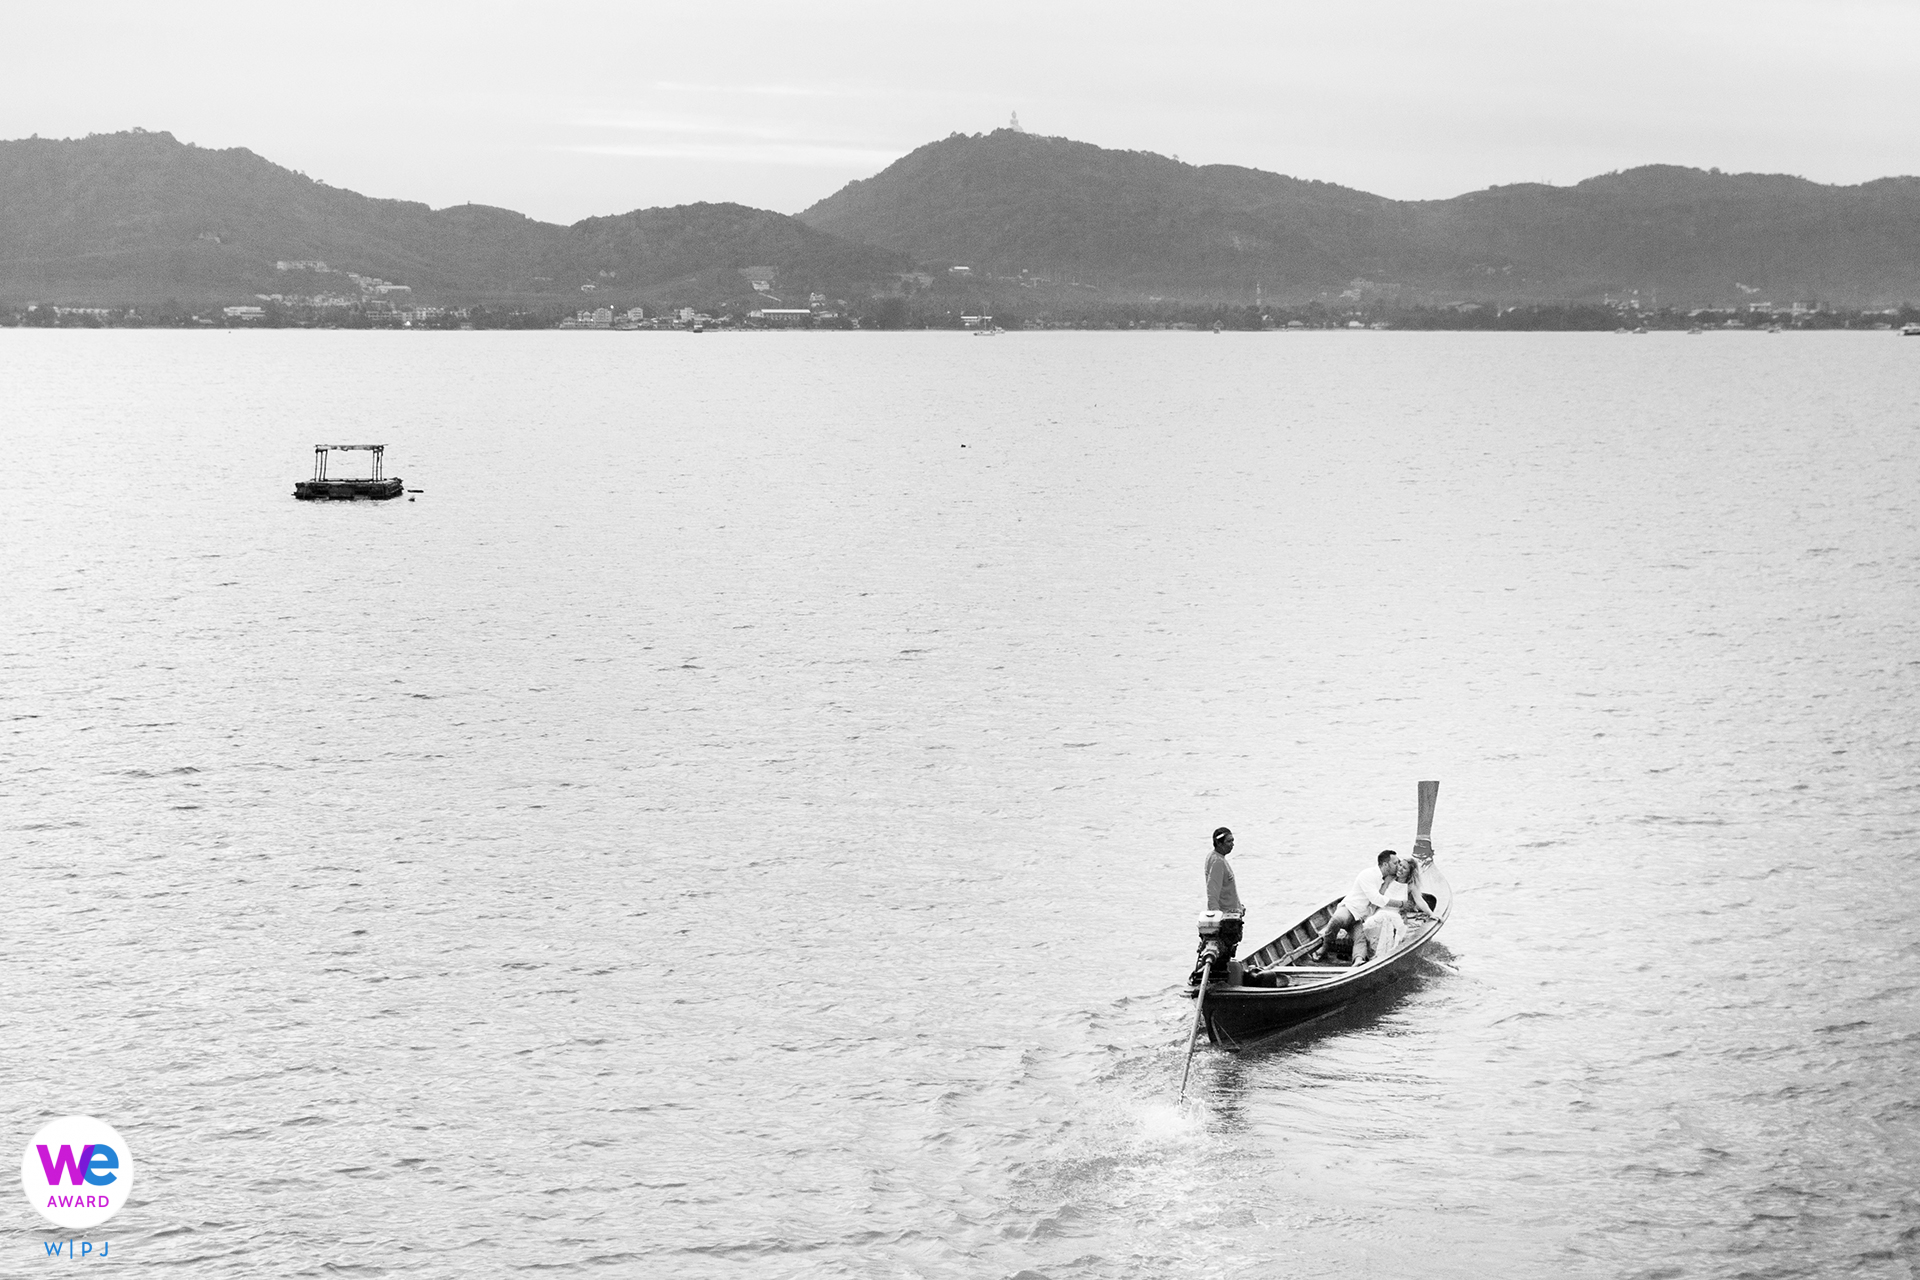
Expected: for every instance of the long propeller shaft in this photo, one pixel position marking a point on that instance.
(1193, 1037)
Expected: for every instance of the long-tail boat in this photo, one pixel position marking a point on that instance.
(1238, 1006)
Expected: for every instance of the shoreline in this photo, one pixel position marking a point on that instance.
(1879, 326)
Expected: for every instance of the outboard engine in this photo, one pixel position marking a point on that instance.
(1219, 939)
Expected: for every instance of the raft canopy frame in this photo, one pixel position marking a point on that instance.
(379, 452)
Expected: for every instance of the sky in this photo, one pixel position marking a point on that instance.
(570, 110)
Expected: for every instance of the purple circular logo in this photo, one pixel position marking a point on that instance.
(77, 1171)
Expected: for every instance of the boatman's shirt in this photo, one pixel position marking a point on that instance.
(1222, 893)
(1366, 894)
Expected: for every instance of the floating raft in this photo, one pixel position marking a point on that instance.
(377, 486)
(340, 490)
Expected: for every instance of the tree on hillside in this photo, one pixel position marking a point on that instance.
(886, 313)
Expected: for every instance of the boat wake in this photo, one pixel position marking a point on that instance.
(1172, 1122)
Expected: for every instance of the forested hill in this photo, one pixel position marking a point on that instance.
(1134, 223)
(140, 217)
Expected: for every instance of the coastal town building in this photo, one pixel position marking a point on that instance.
(597, 318)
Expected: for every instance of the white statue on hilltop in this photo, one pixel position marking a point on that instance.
(1014, 124)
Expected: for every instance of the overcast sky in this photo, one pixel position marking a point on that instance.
(569, 110)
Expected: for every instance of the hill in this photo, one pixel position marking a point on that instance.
(1132, 224)
(139, 217)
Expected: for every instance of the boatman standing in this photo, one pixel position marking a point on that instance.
(1223, 896)
(1222, 893)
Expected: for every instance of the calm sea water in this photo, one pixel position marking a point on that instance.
(746, 817)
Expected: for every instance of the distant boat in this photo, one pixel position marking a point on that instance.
(1910, 330)
(991, 331)
(1696, 329)
(377, 486)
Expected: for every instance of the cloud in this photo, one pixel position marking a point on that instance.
(688, 126)
(769, 90)
(683, 137)
(803, 154)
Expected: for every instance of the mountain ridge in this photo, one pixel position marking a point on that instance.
(1138, 224)
(139, 216)
(136, 217)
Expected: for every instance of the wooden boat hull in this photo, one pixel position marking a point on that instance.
(346, 490)
(1235, 1013)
